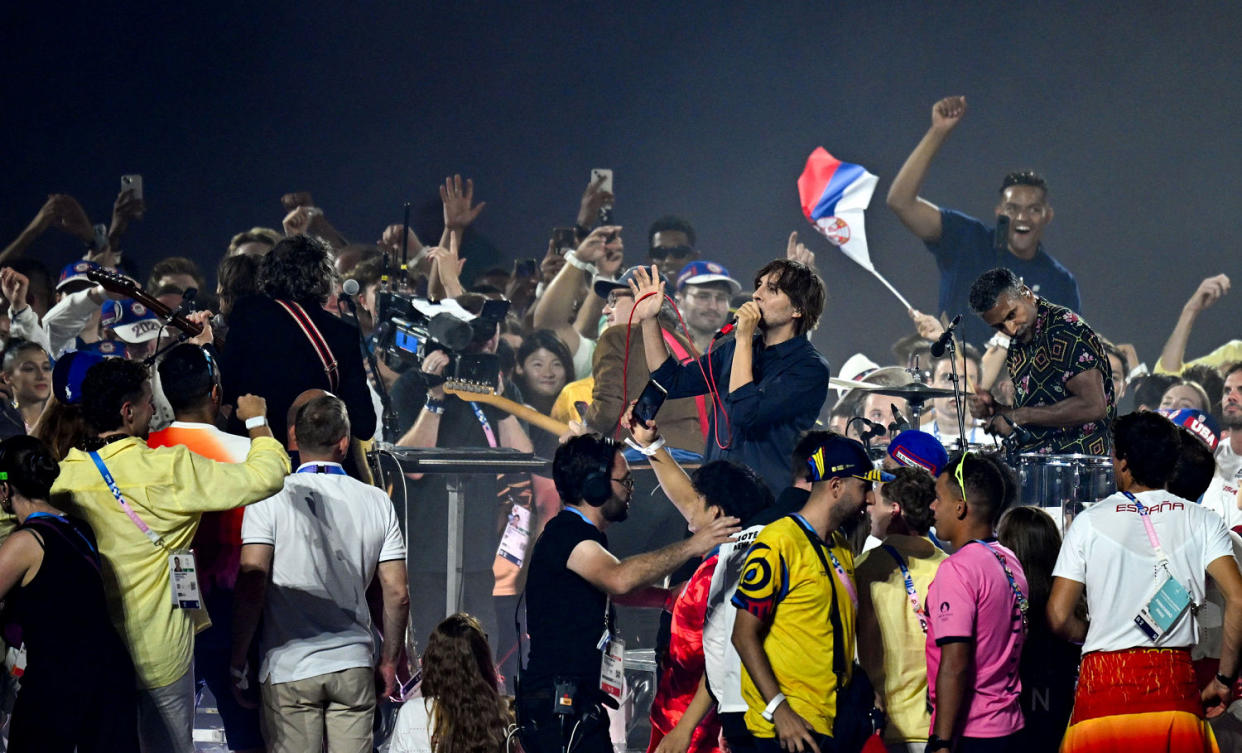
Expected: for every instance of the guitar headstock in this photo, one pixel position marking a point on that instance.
(113, 282)
(469, 390)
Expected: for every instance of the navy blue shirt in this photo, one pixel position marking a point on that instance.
(768, 414)
(965, 251)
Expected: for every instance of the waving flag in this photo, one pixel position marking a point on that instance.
(835, 195)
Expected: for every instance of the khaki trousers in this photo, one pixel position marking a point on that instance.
(339, 706)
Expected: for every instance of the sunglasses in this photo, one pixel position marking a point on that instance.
(660, 253)
(957, 473)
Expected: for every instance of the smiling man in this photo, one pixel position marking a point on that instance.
(1062, 381)
(963, 246)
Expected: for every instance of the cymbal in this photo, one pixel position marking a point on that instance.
(850, 384)
(913, 391)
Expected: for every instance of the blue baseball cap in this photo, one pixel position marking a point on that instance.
(918, 449)
(842, 457)
(703, 272)
(131, 321)
(68, 373)
(73, 276)
(604, 286)
(1196, 422)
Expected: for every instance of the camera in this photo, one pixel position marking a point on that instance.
(411, 328)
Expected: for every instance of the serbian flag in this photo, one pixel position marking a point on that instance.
(835, 195)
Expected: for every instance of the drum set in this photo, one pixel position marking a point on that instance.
(1063, 485)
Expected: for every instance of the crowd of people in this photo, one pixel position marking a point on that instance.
(191, 498)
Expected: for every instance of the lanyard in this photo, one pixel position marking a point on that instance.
(580, 514)
(487, 427)
(329, 468)
(1023, 605)
(1145, 514)
(836, 565)
(910, 591)
(62, 519)
(155, 538)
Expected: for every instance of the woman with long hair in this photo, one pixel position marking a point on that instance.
(1049, 666)
(543, 368)
(51, 579)
(28, 373)
(460, 710)
(62, 426)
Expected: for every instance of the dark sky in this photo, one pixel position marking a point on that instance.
(706, 110)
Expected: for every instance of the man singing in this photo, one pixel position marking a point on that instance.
(1062, 381)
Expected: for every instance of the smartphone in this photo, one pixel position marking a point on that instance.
(606, 174)
(525, 267)
(564, 239)
(1000, 241)
(101, 237)
(581, 406)
(132, 183)
(649, 403)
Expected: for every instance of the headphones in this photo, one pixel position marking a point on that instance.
(597, 484)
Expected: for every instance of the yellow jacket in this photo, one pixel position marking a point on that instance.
(169, 487)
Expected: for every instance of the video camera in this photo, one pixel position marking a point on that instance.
(410, 328)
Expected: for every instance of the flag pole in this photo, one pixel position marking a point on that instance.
(892, 289)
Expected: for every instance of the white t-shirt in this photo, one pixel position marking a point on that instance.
(1222, 493)
(1107, 549)
(722, 664)
(412, 732)
(329, 532)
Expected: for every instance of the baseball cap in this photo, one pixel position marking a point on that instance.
(703, 272)
(104, 348)
(68, 373)
(841, 457)
(130, 320)
(918, 449)
(73, 276)
(603, 286)
(1201, 424)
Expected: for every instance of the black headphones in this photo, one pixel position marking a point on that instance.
(597, 485)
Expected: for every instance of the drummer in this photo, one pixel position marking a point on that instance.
(1063, 386)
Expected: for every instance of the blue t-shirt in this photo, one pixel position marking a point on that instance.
(965, 251)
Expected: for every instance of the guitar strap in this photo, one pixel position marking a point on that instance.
(326, 357)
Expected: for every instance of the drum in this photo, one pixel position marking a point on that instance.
(1063, 485)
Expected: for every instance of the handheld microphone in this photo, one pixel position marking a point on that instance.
(349, 289)
(1020, 433)
(726, 329)
(938, 347)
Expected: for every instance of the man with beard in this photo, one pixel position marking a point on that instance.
(572, 582)
(1222, 494)
(1062, 381)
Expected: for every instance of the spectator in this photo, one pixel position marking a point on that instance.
(963, 246)
(256, 241)
(167, 489)
(1137, 683)
(543, 367)
(795, 625)
(1172, 357)
(62, 426)
(191, 384)
(944, 425)
(28, 375)
(177, 271)
(282, 342)
(350, 256)
(621, 372)
(704, 289)
(771, 388)
(671, 245)
(133, 325)
(978, 625)
(1149, 391)
(571, 583)
(1222, 495)
(1196, 466)
(237, 276)
(308, 554)
(892, 604)
(1185, 394)
(1049, 665)
(1209, 378)
(63, 617)
(459, 708)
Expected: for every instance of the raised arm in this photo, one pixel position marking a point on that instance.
(648, 289)
(674, 480)
(60, 211)
(1224, 572)
(1174, 353)
(918, 214)
(618, 577)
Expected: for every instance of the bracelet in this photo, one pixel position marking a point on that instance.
(770, 711)
(434, 406)
(581, 232)
(998, 340)
(650, 449)
(255, 422)
(1224, 679)
(935, 743)
(571, 258)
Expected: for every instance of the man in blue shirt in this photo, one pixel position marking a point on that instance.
(963, 246)
(771, 389)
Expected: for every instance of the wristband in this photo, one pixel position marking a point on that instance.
(1224, 679)
(434, 406)
(998, 340)
(581, 232)
(650, 449)
(255, 422)
(571, 258)
(935, 743)
(770, 711)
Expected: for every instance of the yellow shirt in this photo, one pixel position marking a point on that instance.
(784, 584)
(168, 488)
(891, 644)
(1230, 352)
(563, 409)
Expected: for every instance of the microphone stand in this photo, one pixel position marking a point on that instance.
(959, 400)
(388, 420)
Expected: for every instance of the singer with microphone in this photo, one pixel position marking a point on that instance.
(770, 380)
(1063, 386)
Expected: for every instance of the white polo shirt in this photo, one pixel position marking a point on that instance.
(329, 533)
(1222, 494)
(1107, 549)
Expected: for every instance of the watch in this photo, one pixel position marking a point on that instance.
(935, 743)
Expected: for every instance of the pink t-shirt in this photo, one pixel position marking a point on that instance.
(970, 598)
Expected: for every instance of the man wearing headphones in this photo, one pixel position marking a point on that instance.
(570, 586)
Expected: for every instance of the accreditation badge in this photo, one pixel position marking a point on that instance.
(184, 571)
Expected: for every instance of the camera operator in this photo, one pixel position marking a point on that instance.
(447, 421)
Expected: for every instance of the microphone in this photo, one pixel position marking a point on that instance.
(874, 429)
(899, 423)
(1020, 433)
(350, 287)
(729, 325)
(937, 348)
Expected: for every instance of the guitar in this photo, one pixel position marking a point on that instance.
(122, 285)
(484, 393)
